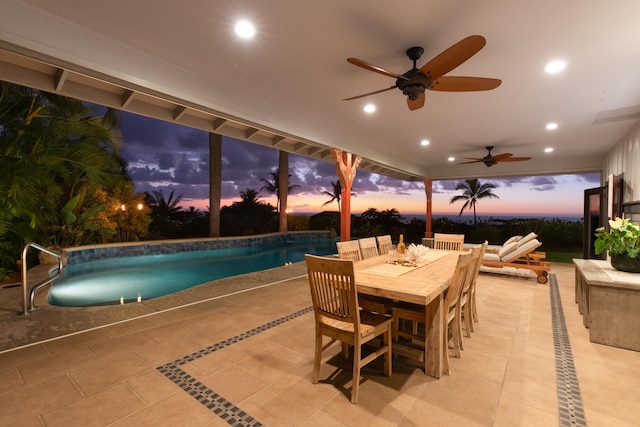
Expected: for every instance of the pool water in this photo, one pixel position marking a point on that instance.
(151, 276)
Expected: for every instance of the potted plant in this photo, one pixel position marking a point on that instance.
(623, 244)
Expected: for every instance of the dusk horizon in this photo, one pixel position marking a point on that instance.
(167, 157)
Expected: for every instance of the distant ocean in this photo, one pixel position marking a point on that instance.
(469, 217)
(466, 217)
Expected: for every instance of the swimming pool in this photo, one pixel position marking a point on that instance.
(106, 281)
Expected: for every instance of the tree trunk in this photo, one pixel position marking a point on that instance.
(283, 189)
(215, 183)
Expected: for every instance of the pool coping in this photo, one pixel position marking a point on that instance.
(48, 322)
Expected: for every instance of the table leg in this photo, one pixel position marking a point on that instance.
(434, 337)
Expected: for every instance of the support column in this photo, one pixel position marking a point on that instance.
(346, 165)
(428, 189)
(215, 183)
(283, 189)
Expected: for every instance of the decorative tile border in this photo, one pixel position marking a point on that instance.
(570, 407)
(213, 401)
(163, 247)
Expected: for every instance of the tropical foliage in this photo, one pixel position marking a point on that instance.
(56, 153)
(622, 239)
(248, 216)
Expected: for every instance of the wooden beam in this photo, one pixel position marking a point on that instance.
(127, 97)
(250, 132)
(277, 140)
(60, 78)
(178, 112)
(218, 123)
(313, 150)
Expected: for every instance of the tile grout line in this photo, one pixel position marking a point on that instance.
(217, 404)
(570, 409)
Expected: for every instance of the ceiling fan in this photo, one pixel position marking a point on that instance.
(432, 75)
(490, 160)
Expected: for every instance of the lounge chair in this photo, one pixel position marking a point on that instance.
(519, 254)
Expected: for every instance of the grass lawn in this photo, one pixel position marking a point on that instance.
(562, 255)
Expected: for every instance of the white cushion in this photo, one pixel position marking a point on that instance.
(491, 257)
(507, 249)
(527, 238)
(511, 240)
(521, 250)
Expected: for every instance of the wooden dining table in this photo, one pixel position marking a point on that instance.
(423, 283)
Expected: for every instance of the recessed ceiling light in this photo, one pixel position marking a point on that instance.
(424, 142)
(548, 150)
(556, 66)
(552, 126)
(369, 108)
(245, 29)
(451, 159)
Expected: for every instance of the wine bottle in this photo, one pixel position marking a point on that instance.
(401, 249)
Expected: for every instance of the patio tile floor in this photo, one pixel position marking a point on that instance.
(245, 359)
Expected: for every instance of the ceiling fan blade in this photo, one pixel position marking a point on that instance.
(453, 57)
(515, 159)
(375, 68)
(502, 157)
(473, 161)
(370, 93)
(416, 103)
(464, 84)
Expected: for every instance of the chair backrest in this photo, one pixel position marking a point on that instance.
(349, 249)
(474, 266)
(333, 289)
(384, 244)
(457, 281)
(448, 242)
(368, 247)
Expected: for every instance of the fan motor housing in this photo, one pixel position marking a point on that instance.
(489, 161)
(415, 86)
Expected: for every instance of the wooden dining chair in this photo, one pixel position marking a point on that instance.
(384, 244)
(448, 242)
(349, 249)
(463, 308)
(368, 247)
(416, 313)
(473, 312)
(337, 316)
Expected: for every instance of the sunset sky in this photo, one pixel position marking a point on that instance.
(169, 157)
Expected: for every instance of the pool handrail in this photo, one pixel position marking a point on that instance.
(28, 305)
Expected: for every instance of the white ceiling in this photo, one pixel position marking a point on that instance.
(291, 78)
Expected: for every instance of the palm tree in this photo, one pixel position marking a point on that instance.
(335, 195)
(472, 191)
(273, 187)
(249, 196)
(168, 208)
